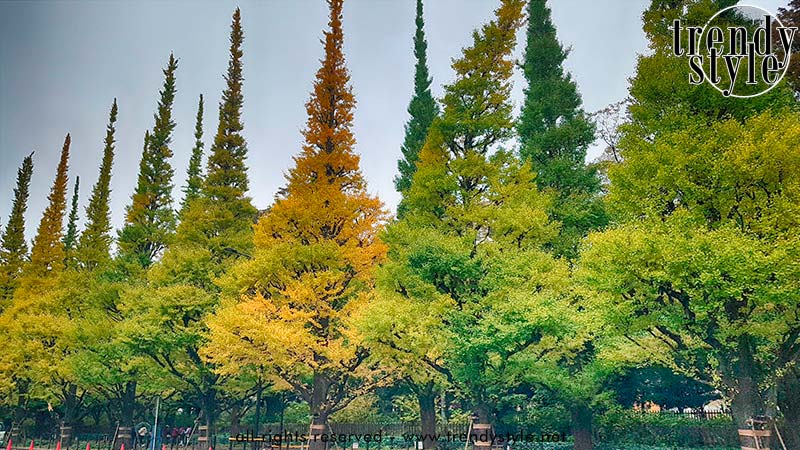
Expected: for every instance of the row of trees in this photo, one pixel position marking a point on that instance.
(511, 267)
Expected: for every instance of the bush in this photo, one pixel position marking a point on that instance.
(632, 427)
(652, 447)
(297, 412)
(361, 410)
(542, 418)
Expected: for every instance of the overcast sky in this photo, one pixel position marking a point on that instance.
(62, 63)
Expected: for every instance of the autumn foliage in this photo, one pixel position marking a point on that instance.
(517, 285)
(47, 253)
(316, 250)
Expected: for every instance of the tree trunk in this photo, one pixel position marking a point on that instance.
(482, 430)
(319, 413)
(259, 393)
(746, 403)
(482, 413)
(20, 410)
(70, 408)
(128, 403)
(426, 395)
(236, 419)
(789, 403)
(581, 423)
(127, 406)
(746, 400)
(210, 412)
(444, 403)
(741, 381)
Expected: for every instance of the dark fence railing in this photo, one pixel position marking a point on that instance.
(101, 441)
(293, 433)
(397, 436)
(701, 415)
(387, 429)
(96, 441)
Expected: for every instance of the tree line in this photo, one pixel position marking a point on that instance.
(512, 270)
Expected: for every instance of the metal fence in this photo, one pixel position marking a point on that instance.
(700, 415)
(387, 429)
(98, 441)
(290, 435)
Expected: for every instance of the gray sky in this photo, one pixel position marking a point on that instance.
(62, 63)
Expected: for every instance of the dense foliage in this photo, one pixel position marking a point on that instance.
(293, 304)
(516, 287)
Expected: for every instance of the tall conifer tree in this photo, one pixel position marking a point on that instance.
(422, 108)
(95, 240)
(97, 340)
(216, 229)
(41, 320)
(194, 178)
(555, 132)
(150, 219)
(314, 259)
(223, 218)
(464, 290)
(553, 128)
(71, 236)
(47, 253)
(13, 247)
(226, 177)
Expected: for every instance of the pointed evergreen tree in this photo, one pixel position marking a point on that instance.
(226, 178)
(552, 125)
(467, 286)
(422, 108)
(95, 241)
(47, 253)
(216, 229)
(555, 132)
(150, 219)
(223, 219)
(41, 318)
(194, 179)
(13, 247)
(71, 237)
(97, 342)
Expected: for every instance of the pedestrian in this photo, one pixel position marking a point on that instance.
(142, 435)
(165, 435)
(175, 433)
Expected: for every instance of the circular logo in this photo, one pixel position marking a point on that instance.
(739, 51)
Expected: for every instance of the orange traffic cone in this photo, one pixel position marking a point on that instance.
(58, 445)
(122, 446)
(87, 446)
(163, 446)
(31, 445)
(8, 447)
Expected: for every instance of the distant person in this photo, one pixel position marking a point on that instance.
(142, 435)
(174, 434)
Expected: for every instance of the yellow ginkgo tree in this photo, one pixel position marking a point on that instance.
(292, 307)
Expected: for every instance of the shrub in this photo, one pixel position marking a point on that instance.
(632, 427)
